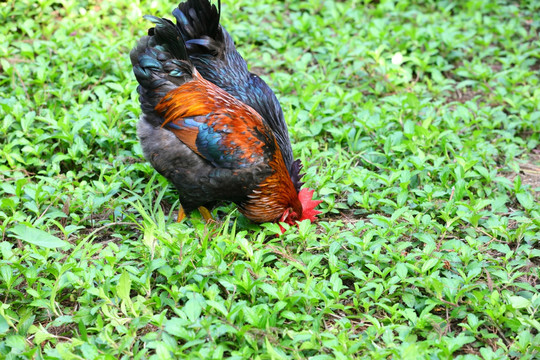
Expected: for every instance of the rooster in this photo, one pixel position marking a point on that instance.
(208, 143)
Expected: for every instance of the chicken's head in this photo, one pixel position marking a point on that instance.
(306, 210)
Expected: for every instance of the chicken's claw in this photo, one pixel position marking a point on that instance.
(207, 216)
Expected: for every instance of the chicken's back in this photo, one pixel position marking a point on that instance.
(212, 51)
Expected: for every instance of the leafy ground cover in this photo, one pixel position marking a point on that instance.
(418, 123)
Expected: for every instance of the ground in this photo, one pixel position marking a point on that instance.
(418, 123)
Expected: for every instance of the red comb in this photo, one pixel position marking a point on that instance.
(308, 204)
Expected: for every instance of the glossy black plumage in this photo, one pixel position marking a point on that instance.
(212, 51)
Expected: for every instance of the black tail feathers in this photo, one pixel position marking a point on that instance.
(198, 21)
(167, 37)
(160, 62)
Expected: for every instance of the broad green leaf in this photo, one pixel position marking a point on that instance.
(38, 237)
(124, 286)
(519, 302)
(4, 327)
(525, 199)
(429, 264)
(42, 335)
(177, 327)
(219, 306)
(16, 342)
(401, 270)
(192, 309)
(89, 351)
(275, 353)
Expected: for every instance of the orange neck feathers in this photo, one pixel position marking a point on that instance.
(274, 196)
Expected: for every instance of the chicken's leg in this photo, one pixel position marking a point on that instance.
(206, 214)
(181, 214)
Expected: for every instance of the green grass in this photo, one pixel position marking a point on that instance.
(418, 123)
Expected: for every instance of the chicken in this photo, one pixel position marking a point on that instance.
(209, 144)
(212, 51)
